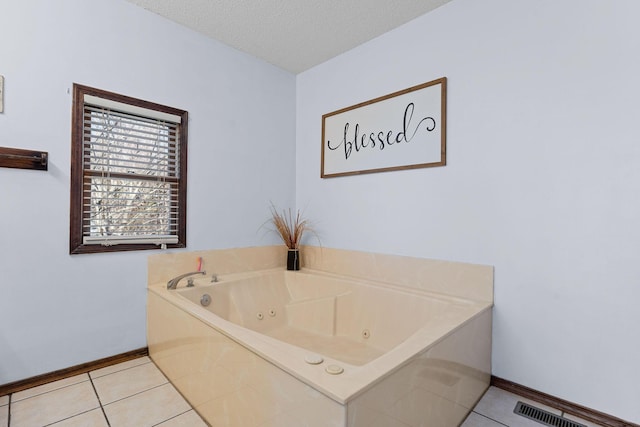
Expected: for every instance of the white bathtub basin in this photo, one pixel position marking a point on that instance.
(393, 344)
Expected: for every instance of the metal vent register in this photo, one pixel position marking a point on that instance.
(544, 417)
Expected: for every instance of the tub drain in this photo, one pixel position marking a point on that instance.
(205, 300)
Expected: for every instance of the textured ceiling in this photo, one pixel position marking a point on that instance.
(292, 34)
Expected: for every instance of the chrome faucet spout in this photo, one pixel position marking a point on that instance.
(173, 283)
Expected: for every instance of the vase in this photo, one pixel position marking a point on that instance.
(293, 259)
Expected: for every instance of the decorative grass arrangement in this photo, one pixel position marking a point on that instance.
(290, 228)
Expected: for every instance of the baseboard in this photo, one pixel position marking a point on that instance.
(563, 405)
(69, 372)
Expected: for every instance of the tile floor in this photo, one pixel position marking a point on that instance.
(137, 394)
(130, 394)
(495, 409)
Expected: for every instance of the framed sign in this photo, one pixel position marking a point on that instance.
(402, 130)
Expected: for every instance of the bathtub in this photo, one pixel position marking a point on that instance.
(281, 348)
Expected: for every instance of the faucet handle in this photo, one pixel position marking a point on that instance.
(190, 283)
(173, 283)
(214, 277)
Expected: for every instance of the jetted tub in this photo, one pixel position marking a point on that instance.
(280, 348)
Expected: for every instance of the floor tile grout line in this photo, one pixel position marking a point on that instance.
(160, 370)
(170, 418)
(79, 382)
(489, 418)
(104, 414)
(58, 421)
(135, 394)
(120, 370)
(179, 392)
(68, 418)
(50, 391)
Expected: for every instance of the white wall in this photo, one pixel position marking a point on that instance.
(542, 180)
(58, 310)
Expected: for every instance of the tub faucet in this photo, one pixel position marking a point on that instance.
(173, 283)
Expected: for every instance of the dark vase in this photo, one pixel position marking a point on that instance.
(293, 259)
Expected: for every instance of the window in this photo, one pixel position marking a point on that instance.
(128, 173)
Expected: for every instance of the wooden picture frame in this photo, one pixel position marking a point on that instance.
(402, 130)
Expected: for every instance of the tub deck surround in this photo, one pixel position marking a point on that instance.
(468, 281)
(409, 354)
(165, 266)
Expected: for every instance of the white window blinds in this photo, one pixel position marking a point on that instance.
(130, 164)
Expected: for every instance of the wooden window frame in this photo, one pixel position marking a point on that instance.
(76, 244)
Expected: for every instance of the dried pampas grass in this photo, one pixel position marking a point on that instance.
(290, 227)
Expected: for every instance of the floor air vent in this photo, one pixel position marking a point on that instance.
(544, 417)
